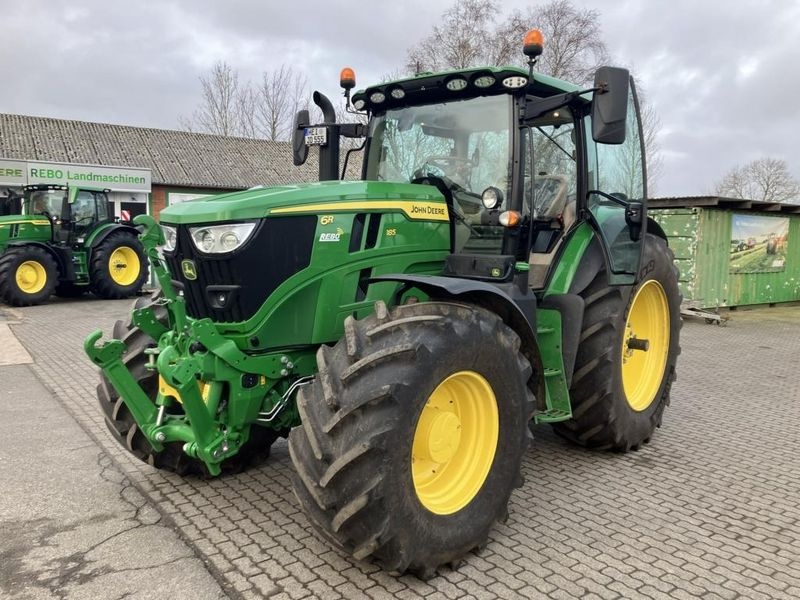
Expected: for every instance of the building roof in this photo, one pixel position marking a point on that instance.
(175, 158)
(723, 203)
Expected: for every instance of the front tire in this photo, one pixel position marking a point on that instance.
(118, 266)
(620, 389)
(413, 433)
(123, 427)
(28, 275)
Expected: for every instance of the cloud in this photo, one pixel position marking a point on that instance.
(720, 74)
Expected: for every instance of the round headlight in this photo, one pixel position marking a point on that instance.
(398, 93)
(229, 240)
(492, 197)
(207, 241)
(358, 104)
(377, 97)
(484, 81)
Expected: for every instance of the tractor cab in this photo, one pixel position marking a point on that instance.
(518, 157)
(73, 212)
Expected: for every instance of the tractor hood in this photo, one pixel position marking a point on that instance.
(23, 227)
(416, 201)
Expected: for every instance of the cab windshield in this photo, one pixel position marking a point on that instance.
(461, 146)
(44, 202)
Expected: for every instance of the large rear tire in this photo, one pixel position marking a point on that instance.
(620, 389)
(123, 427)
(413, 433)
(28, 275)
(118, 266)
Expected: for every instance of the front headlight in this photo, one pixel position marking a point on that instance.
(219, 239)
(170, 237)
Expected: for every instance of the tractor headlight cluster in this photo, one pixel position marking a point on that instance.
(170, 237)
(219, 239)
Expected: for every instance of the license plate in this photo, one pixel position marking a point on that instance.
(316, 136)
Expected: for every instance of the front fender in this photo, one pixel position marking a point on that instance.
(516, 307)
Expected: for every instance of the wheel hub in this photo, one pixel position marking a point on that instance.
(455, 442)
(440, 435)
(645, 345)
(31, 277)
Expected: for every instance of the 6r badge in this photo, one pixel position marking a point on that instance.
(189, 270)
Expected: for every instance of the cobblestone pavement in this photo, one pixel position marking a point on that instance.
(710, 508)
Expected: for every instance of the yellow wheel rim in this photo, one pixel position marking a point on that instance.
(455, 442)
(31, 277)
(645, 345)
(124, 266)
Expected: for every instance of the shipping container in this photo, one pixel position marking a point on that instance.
(732, 252)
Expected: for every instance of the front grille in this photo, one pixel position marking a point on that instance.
(277, 249)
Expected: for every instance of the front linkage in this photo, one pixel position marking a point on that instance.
(222, 390)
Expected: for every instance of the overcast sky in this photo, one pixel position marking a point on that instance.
(723, 76)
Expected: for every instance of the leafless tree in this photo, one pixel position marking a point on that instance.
(219, 107)
(766, 179)
(281, 94)
(470, 35)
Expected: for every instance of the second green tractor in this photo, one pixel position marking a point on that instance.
(493, 268)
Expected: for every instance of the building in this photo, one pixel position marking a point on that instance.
(145, 169)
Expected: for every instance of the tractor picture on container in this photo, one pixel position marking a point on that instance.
(494, 268)
(66, 242)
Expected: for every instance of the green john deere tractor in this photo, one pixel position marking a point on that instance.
(67, 243)
(494, 268)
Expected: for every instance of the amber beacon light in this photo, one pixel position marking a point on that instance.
(347, 78)
(533, 44)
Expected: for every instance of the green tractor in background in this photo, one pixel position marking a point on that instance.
(66, 242)
(495, 268)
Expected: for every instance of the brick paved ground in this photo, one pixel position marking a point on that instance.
(710, 508)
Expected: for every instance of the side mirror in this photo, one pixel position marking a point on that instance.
(610, 105)
(299, 148)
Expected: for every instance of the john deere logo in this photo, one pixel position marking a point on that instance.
(496, 272)
(189, 270)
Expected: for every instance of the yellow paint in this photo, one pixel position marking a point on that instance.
(31, 277)
(167, 390)
(418, 211)
(643, 370)
(455, 442)
(124, 266)
(34, 222)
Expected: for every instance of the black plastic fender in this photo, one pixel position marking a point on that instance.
(109, 230)
(517, 308)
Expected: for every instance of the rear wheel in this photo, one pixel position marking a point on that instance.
(412, 434)
(118, 266)
(28, 275)
(626, 359)
(123, 427)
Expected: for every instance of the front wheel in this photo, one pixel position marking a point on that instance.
(413, 433)
(118, 266)
(28, 275)
(626, 359)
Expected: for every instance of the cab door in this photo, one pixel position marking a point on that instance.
(616, 201)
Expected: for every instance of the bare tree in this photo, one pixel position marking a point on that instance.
(219, 107)
(471, 36)
(281, 94)
(460, 41)
(766, 179)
